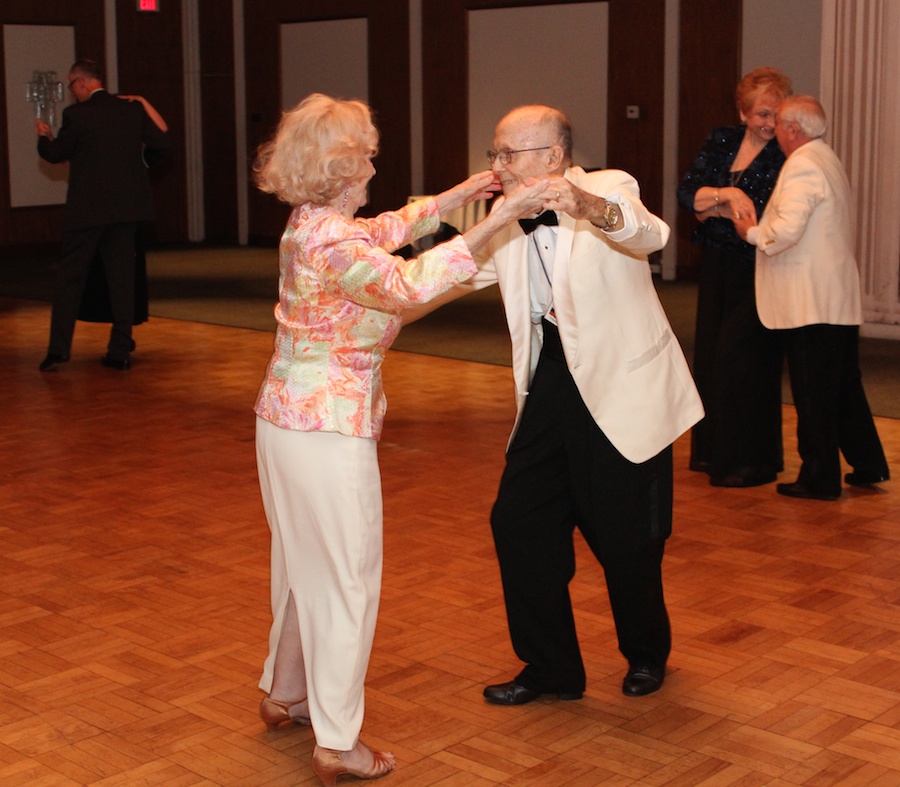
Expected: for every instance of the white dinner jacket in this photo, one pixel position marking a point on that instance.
(806, 270)
(619, 346)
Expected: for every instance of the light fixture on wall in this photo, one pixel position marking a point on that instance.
(45, 92)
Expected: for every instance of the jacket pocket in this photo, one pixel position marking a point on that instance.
(650, 353)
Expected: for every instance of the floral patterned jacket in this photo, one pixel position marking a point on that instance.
(341, 291)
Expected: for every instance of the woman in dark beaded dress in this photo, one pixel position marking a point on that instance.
(737, 362)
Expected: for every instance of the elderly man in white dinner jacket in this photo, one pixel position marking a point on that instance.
(603, 390)
(807, 286)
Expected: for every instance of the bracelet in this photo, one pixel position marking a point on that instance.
(717, 203)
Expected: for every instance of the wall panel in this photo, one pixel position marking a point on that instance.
(151, 64)
(709, 70)
(637, 78)
(389, 93)
(217, 96)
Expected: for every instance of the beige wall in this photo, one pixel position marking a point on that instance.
(29, 48)
(328, 57)
(525, 56)
(786, 35)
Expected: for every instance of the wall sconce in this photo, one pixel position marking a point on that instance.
(45, 92)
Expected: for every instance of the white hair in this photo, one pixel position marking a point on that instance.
(806, 112)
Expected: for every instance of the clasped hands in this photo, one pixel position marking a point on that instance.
(738, 207)
(526, 200)
(557, 193)
(531, 197)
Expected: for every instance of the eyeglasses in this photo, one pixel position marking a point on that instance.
(506, 156)
(73, 82)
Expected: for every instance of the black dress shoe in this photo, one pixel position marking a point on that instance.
(52, 360)
(643, 680)
(122, 364)
(798, 490)
(862, 478)
(513, 694)
(743, 478)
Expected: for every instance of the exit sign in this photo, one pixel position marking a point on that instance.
(148, 5)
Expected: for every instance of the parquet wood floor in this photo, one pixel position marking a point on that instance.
(134, 596)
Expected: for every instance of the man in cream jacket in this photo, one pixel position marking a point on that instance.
(807, 287)
(603, 390)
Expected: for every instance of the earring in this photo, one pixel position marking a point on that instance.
(346, 194)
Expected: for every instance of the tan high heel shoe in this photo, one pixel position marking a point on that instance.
(329, 766)
(273, 713)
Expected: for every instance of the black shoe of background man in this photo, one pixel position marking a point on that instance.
(863, 478)
(804, 493)
(513, 693)
(52, 362)
(642, 680)
(122, 364)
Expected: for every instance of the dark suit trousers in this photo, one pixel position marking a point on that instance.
(562, 473)
(833, 414)
(115, 244)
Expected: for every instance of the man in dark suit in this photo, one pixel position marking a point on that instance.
(103, 138)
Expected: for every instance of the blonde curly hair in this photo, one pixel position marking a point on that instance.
(319, 147)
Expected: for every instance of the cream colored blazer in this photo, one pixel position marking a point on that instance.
(619, 346)
(806, 270)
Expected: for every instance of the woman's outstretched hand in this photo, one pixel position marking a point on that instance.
(481, 185)
(527, 200)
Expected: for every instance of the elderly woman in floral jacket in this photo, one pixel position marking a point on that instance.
(321, 406)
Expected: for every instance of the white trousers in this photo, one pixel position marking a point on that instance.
(321, 492)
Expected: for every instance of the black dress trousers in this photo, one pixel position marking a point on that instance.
(561, 473)
(115, 245)
(833, 415)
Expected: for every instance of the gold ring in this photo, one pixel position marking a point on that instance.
(557, 195)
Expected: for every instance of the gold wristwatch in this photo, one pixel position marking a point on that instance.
(610, 214)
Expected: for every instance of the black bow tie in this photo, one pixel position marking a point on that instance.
(548, 217)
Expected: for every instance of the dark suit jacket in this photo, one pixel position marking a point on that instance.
(103, 140)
